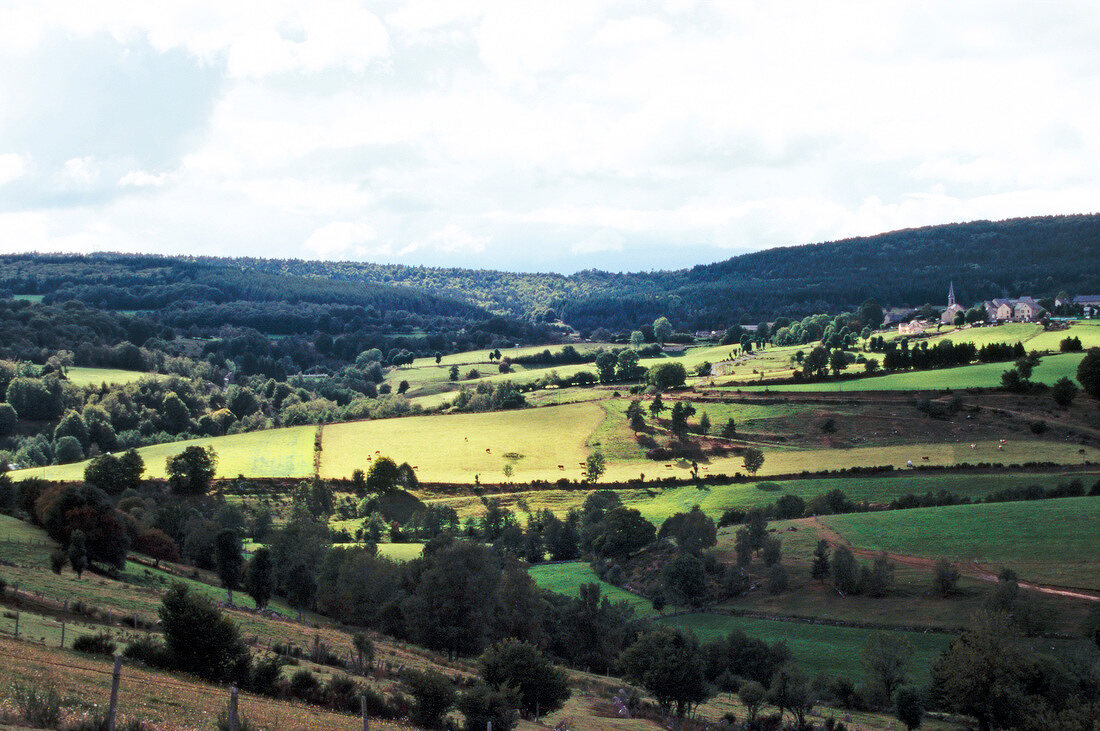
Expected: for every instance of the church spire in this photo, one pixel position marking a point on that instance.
(951, 295)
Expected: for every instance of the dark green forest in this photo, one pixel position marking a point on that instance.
(1037, 256)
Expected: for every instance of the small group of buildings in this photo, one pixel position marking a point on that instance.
(1021, 309)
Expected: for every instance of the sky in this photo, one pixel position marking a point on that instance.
(535, 136)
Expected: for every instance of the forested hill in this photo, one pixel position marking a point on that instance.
(1037, 256)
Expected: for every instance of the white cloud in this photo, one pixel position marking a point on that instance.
(452, 239)
(12, 167)
(489, 132)
(79, 172)
(340, 238)
(142, 179)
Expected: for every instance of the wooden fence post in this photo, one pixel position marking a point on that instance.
(62, 645)
(113, 708)
(232, 708)
(363, 712)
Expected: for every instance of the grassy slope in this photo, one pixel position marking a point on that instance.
(1050, 541)
(817, 648)
(271, 453)
(717, 498)
(983, 375)
(566, 578)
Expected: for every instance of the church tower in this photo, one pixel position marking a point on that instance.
(951, 295)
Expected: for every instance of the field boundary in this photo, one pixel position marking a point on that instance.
(969, 569)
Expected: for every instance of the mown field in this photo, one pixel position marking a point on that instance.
(111, 376)
(460, 447)
(284, 452)
(982, 375)
(1048, 541)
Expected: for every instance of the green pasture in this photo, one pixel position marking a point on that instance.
(1048, 541)
(401, 551)
(270, 453)
(1088, 331)
(714, 500)
(1032, 335)
(112, 376)
(982, 375)
(460, 447)
(566, 578)
(1009, 332)
(817, 648)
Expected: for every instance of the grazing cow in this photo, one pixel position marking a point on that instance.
(488, 450)
(973, 446)
(925, 459)
(561, 467)
(416, 467)
(909, 463)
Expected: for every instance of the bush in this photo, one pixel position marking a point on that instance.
(483, 704)
(265, 676)
(304, 685)
(97, 644)
(433, 696)
(147, 651)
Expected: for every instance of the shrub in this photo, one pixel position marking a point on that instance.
(304, 685)
(147, 651)
(98, 644)
(433, 696)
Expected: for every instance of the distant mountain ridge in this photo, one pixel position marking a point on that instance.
(1037, 256)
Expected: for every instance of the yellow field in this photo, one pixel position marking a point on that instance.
(112, 376)
(458, 447)
(270, 453)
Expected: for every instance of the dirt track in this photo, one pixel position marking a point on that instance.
(971, 569)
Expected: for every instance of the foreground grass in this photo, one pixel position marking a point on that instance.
(1048, 541)
(84, 683)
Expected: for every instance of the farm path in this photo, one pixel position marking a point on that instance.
(971, 569)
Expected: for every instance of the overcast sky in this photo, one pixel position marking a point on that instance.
(547, 135)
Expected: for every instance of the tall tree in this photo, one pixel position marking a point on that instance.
(259, 579)
(78, 552)
(662, 328)
(670, 667)
(229, 559)
(886, 660)
(191, 471)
